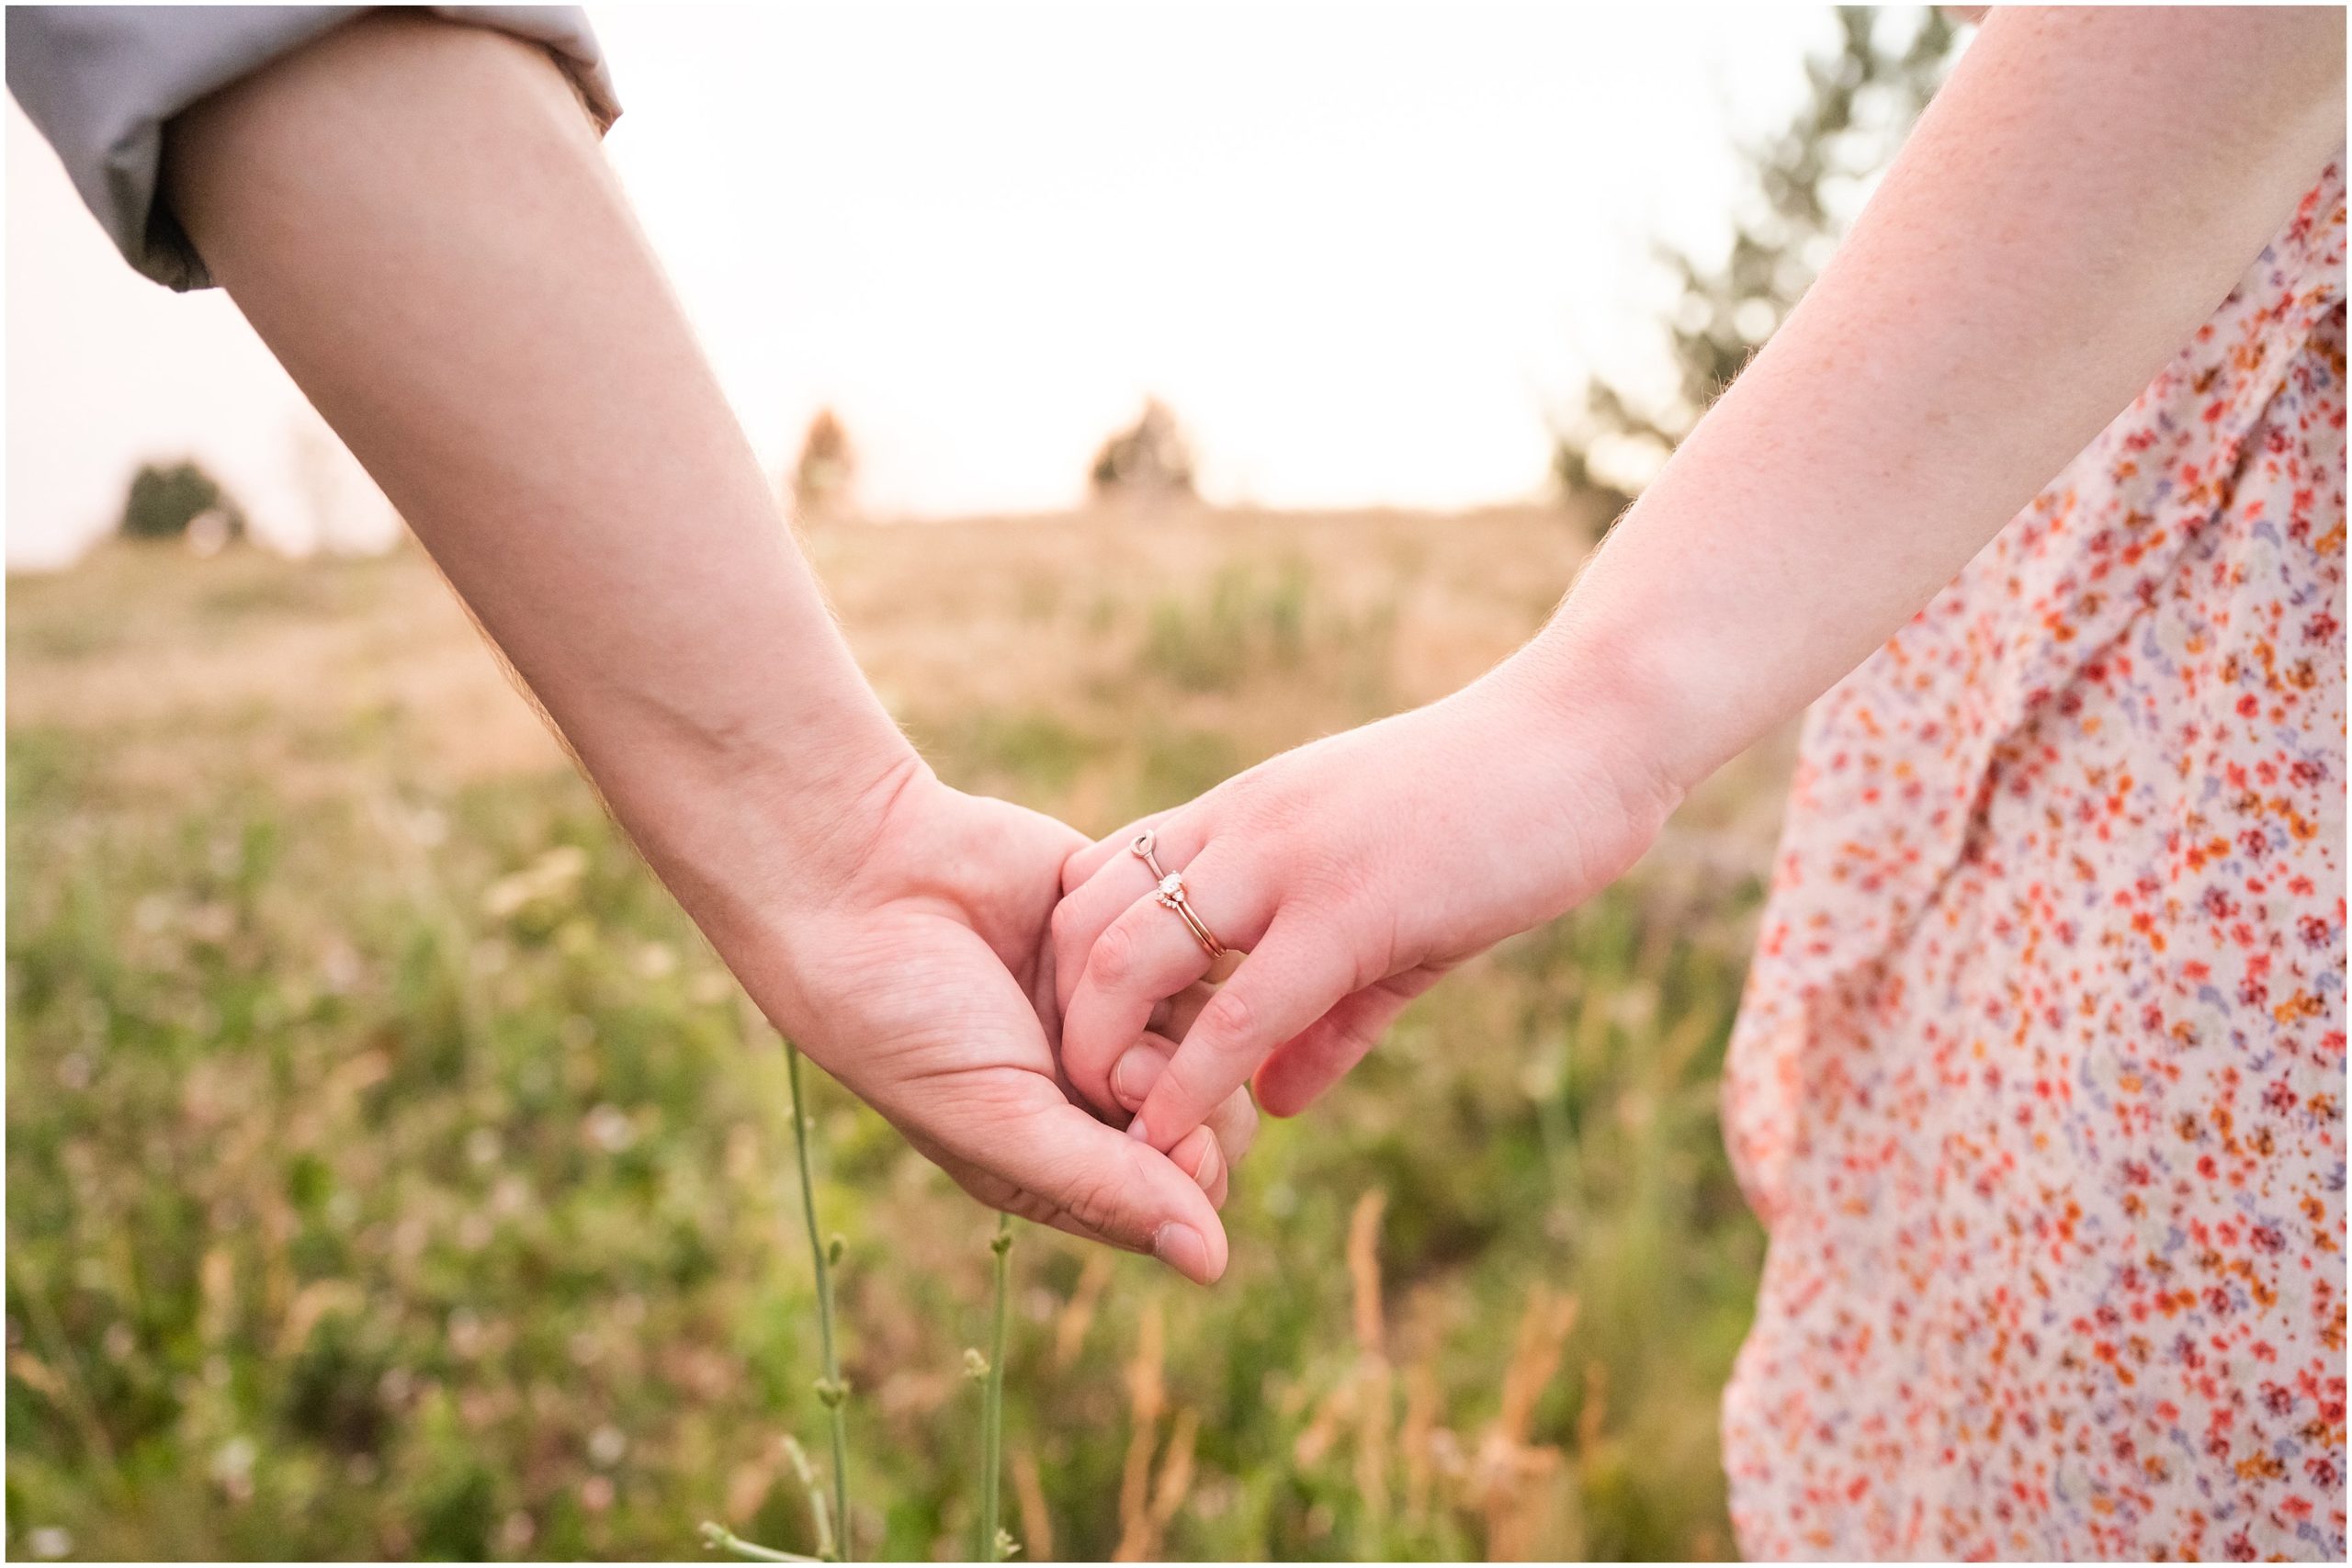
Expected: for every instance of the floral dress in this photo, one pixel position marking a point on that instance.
(2040, 1080)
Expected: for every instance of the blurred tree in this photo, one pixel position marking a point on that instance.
(826, 474)
(181, 500)
(1806, 183)
(1149, 458)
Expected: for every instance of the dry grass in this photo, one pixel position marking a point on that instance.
(392, 1172)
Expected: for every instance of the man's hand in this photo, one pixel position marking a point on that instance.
(919, 980)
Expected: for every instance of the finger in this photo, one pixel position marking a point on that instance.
(1090, 1175)
(1231, 1128)
(1145, 956)
(1173, 1017)
(1088, 859)
(1138, 1069)
(1037, 1211)
(1087, 908)
(1198, 1156)
(1294, 976)
(993, 1191)
(1005, 1114)
(1235, 1123)
(1303, 1067)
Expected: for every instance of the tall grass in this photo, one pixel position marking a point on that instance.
(393, 1174)
(1250, 618)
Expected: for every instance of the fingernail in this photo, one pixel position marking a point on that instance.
(1180, 1247)
(1136, 1130)
(1137, 1071)
(1205, 1177)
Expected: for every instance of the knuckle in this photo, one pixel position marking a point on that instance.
(1092, 1203)
(1333, 882)
(1114, 959)
(1227, 1022)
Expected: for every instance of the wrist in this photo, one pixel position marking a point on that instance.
(1625, 657)
(1612, 707)
(751, 829)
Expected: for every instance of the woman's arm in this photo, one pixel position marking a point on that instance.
(416, 218)
(2081, 196)
(2082, 193)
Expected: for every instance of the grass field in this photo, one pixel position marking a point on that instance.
(393, 1171)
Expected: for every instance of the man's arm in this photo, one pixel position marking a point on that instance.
(416, 217)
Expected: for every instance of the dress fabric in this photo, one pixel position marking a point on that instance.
(2038, 1084)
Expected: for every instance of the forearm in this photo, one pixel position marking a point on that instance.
(416, 217)
(2081, 196)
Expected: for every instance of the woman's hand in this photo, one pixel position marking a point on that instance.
(908, 956)
(2072, 228)
(1355, 872)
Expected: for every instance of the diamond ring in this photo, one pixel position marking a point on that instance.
(1170, 893)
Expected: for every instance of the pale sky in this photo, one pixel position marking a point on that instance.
(1359, 249)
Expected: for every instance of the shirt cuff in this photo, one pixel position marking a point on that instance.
(101, 82)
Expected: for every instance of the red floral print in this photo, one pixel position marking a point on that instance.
(2040, 1079)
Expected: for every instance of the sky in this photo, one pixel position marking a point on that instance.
(1360, 250)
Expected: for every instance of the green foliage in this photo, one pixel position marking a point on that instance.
(165, 498)
(1250, 620)
(1806, 182)
(394, 1172)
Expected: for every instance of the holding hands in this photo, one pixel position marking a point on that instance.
(523, 383)
(1354, 872)
(520, 380)
(915, 969)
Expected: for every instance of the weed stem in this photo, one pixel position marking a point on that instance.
(817, 1509)
(832, 1390)
(718, 1537)
(992, 1405)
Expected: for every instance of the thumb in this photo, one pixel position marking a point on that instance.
(1111, 1186)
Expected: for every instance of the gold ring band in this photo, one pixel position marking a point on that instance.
(1169, 895)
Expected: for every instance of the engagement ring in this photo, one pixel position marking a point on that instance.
(1170, 894)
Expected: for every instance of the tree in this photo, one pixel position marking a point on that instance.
(1149, 458)
(826, 476)
(1806, 183)
(180, 501)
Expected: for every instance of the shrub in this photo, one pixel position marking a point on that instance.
(1149, 458)
(179, 501)
(825, 478)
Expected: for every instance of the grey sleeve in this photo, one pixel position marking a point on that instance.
(101, 82)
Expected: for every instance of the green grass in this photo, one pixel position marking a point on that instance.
(392, 1172)
(1251, 618)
